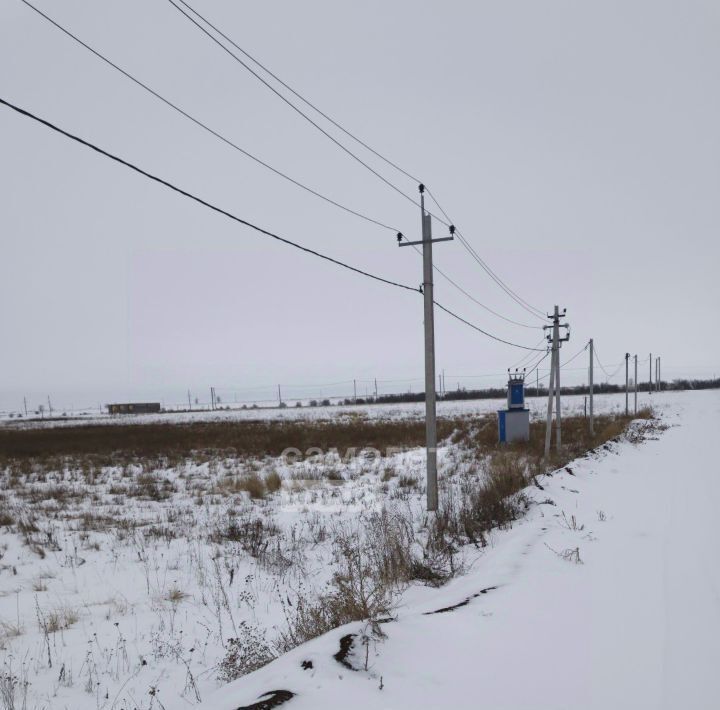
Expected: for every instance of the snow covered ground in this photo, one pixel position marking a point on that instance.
(610, 598)
(405, 410)
(606, 594)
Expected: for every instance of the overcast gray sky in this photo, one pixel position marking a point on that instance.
(575, 144)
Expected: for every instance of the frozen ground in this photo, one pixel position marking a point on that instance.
(119, 597)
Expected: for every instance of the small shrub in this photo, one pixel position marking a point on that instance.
(407, 482)
(246, 653)
(60, 620)
(253, 534)
(176, 595)
(253, 485)
(273, 482)
(9, 631)
(388, 474)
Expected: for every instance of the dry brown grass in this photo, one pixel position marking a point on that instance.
(273, 482)
(159, 445)
(175, 595)
(59, 619)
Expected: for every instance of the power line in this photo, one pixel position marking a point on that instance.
(468, 247)
(199, 200)
(523, 360)
(448, 222)
(204, 126)
(597, 359)
(472, 298)
(537, 365)
(233, 145)
(568, 361)
(299, 95)
(484, 332)
(235, 218)
(292, 105)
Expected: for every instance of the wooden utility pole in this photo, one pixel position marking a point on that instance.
(427, 289)
(189, 401)
(650, 361)
(354, 392)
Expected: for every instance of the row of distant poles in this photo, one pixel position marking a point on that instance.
(554, 338)
(554, 386)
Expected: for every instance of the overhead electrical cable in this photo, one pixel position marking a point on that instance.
(299, 95)
(468, 247)
(233, 145)
(261, 162)
(569, 360)
(207, 128)
(447, 222)
(201, 201)
(344, 148)
(597, 359)
(484, 332)
(527, 357)
(472, 298)
(244, 222)
(537, 365)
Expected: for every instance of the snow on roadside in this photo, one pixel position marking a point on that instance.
(606, 598)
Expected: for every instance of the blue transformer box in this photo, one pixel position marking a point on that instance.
(514, 422)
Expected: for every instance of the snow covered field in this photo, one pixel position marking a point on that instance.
(605, 594)
(410, 410)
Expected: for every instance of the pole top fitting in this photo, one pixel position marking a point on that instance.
(452, 229)
(421, 188)
(399, 236)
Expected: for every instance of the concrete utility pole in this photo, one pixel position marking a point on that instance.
(189, 401)
(537, 382)
(376, 388)
(555, 339)
(427, 289)
(656, 374)
(25, 405)
(590, 382)
(627, 384)
(659, 377)
(650, 374)
(636, 384)
(279, 395)
(354, 392)
(551, 385)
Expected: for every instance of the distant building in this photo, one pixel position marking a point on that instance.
(134, 408)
